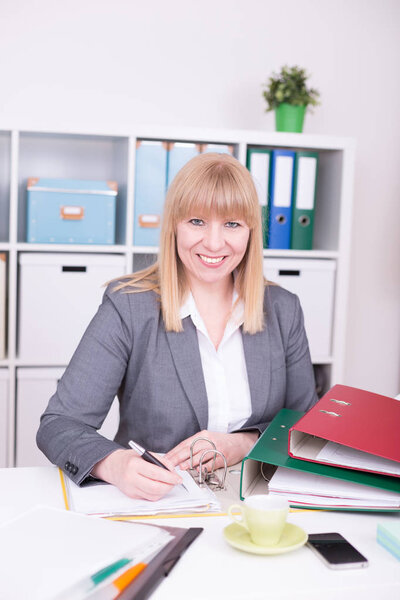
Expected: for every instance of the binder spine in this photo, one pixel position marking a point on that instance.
(304, 196)
(258, 163)
(281, 194)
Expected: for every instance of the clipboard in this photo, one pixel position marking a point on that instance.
(271, 449)
(161, 565)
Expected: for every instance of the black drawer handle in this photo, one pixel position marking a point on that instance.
(290, 272)
(74, 269)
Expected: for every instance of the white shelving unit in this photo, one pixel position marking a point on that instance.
(111, 156)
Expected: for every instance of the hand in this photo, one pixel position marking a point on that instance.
(234, 446)
(136, 477)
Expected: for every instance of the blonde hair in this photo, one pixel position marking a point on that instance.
(209, 184)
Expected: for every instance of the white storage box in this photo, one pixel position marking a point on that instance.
(3, 416)
(35, 386)
(58, 296)
(314, 282)
(2, 305)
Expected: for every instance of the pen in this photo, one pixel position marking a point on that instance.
(90, 582)
(114, 588)
(146, 455)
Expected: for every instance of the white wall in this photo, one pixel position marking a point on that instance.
(94, 63)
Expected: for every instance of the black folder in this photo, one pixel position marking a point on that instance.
(161, 565)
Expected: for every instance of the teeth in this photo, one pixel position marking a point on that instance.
(212, 261)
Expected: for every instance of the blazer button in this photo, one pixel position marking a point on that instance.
(67, 465)
(75, 470)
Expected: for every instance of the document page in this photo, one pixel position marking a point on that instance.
(45, 550)
(308, 488)
(344, 456)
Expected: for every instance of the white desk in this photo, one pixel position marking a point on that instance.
(211, 569)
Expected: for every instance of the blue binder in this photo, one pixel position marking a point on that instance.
(179, 154)
(219, 148)
(150, 186)
(281, 195)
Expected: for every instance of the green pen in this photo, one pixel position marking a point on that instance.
(87, 584)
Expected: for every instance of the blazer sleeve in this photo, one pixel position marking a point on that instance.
(68, 429)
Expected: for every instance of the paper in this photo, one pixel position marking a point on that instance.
(45, 550)
(317, 490)
(107, 500)
(41, 485)
(338, 454)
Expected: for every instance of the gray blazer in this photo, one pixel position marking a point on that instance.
(159, 379)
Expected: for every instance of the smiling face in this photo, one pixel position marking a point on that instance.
(210, 248)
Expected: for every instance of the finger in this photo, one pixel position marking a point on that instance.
(207, 461)
(157, 473)
(165, 461)
(149, 489)
(182, 447)
(182, 457)
(185, 445)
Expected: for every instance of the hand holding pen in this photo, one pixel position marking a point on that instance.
(149, 479)
(147, 455)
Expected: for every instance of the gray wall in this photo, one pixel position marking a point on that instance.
(96, 64)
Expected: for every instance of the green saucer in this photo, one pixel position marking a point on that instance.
(292, 537)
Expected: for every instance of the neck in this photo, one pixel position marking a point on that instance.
(215, 293)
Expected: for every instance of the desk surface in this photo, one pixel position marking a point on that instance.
(212, 569)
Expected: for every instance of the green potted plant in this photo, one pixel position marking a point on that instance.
(287, 93)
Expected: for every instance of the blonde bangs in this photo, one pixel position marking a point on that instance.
(216, 188)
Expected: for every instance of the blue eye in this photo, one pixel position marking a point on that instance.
(197, 222)
(232, 224)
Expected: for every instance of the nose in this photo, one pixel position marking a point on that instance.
(214, 239)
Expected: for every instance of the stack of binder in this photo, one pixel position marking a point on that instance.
(286, 185)
(342, 454)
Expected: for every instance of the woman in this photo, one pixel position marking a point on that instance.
(197, 343)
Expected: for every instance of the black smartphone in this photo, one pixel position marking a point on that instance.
(335, 551)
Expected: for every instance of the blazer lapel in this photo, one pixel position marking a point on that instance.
(186, 356)
(257, 355)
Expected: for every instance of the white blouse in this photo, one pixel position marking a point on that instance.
(224, 370)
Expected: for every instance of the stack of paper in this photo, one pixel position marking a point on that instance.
(337, 454)
(107, 500)
(307, 489)
(46, 551)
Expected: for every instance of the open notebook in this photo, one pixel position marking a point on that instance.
(106, 500)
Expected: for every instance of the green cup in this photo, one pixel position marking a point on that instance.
(263, 516)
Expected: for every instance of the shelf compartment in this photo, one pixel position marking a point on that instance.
(71, 156)
(5, 169)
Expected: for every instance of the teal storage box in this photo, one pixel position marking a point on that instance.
(71, 211)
